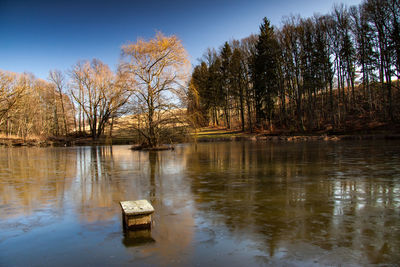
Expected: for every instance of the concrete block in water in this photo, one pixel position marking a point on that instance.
(136, 214)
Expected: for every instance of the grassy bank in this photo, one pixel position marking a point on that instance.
(219, 134)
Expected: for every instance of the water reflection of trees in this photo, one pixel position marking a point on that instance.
(163, 183)
(33, 178)
(87, 183)
(283, 194)
(95, 187)
(327, 196)
(90, 180)
(107, 175)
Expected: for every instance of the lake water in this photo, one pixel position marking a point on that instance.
(230, 204)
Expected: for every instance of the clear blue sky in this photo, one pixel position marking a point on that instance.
(37, 36)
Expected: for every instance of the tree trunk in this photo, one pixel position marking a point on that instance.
(242, 109)
(64, 115)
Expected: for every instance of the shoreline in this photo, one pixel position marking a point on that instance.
(14, 142)
(299, 138)
(62, 142)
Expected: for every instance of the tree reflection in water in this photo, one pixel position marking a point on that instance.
(299, 199)
(215, 204)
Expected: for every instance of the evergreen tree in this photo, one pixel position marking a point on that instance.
(200, 103)
(216, 92)
(226, 54)
(265, 73)
(237, 74)
(303, 76)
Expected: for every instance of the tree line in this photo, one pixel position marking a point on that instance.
(319, 73)
(149, 85)
(33, 107)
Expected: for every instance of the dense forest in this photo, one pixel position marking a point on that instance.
(333, 72)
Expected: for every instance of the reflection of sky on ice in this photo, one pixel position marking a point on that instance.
(216, 204)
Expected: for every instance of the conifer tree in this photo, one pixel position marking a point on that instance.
(265, 73)
(237, 74)
(226, 54)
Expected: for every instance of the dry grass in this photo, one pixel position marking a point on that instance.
(16, 137)
(210, 132)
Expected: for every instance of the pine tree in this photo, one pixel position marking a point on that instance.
(237, 74)
(226, 54)
(265, 73)
(216, 89)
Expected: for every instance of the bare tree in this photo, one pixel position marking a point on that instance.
(57, 78)
(11, 90)
(157, 71)
(99, 92)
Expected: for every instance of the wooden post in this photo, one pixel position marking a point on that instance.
(136, 214)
